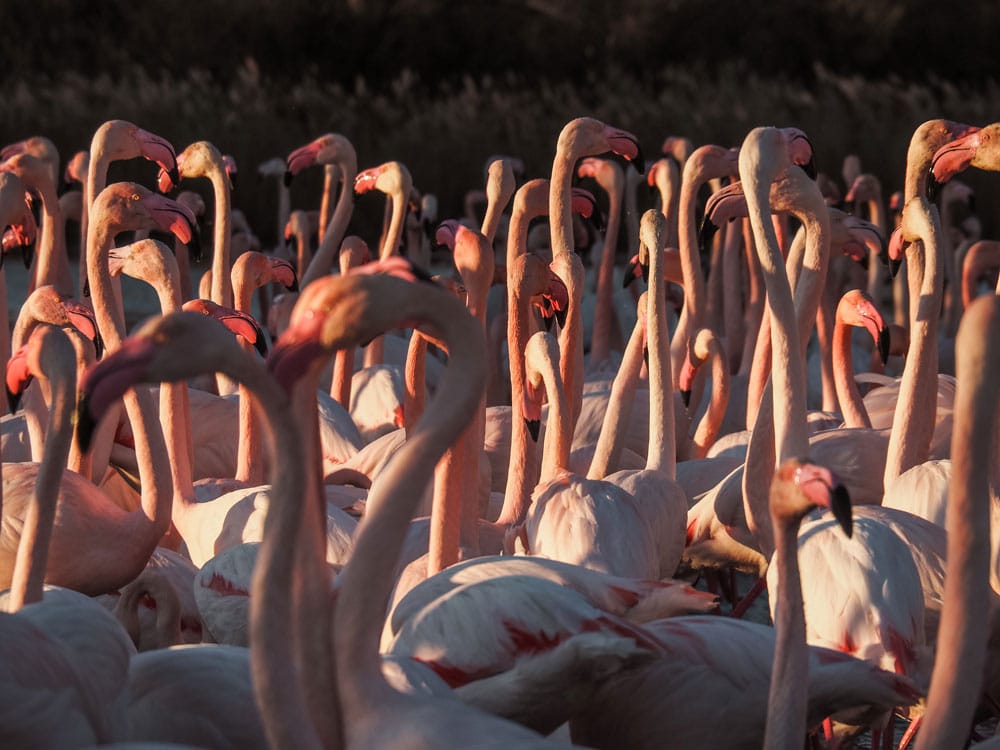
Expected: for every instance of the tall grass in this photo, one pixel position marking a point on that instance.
(445, 133)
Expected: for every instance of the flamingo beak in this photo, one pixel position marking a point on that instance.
(534, 427)
(707, 232)
(883, 345)
(686, 398)
(894, 267)
(840, 505)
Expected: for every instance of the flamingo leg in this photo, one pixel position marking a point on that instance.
(832, 743)
(744, 604)
(910, 733)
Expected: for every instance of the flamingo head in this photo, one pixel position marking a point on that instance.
(800, 485)
(240, 323)
(725, 204)
(857, 308)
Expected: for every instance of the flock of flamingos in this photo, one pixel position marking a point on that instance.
(496, 487)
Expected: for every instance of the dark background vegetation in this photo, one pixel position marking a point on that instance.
(443, 85)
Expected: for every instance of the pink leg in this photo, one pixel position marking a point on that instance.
(744, 604)
(831, 739)
(910, 733)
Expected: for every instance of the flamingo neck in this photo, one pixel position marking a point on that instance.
(276, 683)
(32, 552)
(523, 468)
(558, 427)
(962, 637)
(619, 411)
(367, 580)
(661, 451)
(711, 422)
(786, 703)
(913, 421)
(329, 246)
(851, 404)
(222, 289)
(150, 448)
(603, 334)
(414, 378)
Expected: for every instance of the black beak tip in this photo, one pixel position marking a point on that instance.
(629, 276)
(638, 162)
(175, 177)
(86, 287)
(294, 287)
(194, 247)
(534, 427)
(84, 424)
(933, 187)
(707, 232)
(548, 320)
(27, 255)
(864, 262)
(840, 504)
(288, 177)
(98, 345)
(645, 272)
(883, 345)
(894, 267)
(686, 398)
(13, 400)
(561, 318)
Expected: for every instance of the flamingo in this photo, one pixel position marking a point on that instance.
(660, 501)
(962, 639)
(203, 159)
(711, 685)
(330, 148)
(573, 518)
(52, 262)
(120, 542)
(116, 140)
(279, 694)
(578, 138)
(372, 711)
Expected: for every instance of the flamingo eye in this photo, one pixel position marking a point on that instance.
(135, 196)
(148, 601)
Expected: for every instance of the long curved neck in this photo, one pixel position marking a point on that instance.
(661, 452)
(913, 421)
(754, 313)
(791, 436)
(331, 178)
(711, 422)
(824, 340)
(276, 680)
(571, 336)
(329, 246)
(313, 645)
(249, 457)
(619, 410)
(175, 405)
(366, 582)
(962, 635)
(603, 336)
(414, 378)
(222, 288)
(694, 280)
(851, 404)
(150, 447)
(52, 263)
(33, 549)
(523, 468)
(786, 703)
(558, 427)
(396, 220)
(732, 284)
(560, 202)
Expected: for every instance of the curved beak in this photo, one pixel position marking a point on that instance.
(883, 344)
(840, 505)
